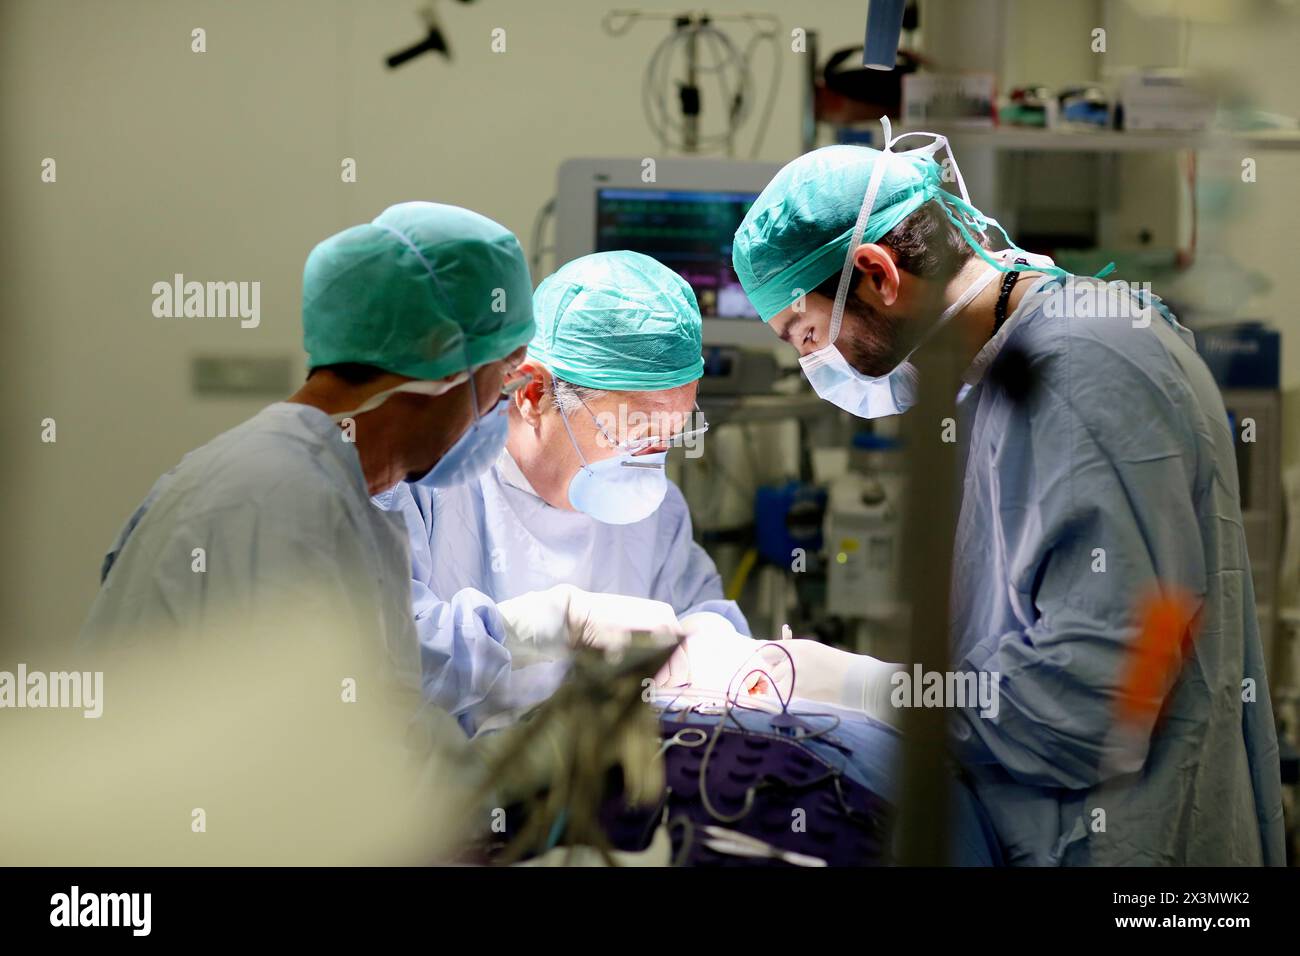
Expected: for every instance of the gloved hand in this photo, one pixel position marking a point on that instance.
(711, 655)
(833, 676)
(568, 616)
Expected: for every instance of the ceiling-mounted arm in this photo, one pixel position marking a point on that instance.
(434, 41)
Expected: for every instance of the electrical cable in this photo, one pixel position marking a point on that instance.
(537, 249)
(770, 105)
(731, 67)
(730, 703)
(737, 103)
(688, 837)
(785, 702)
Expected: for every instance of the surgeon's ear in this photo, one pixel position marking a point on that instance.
(530, 399)
(878, 285)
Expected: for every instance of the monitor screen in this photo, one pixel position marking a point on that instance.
(689, 231)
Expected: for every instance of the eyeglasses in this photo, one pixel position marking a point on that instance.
(508, 388)
(696, 426)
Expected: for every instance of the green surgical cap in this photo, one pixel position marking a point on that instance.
(425, 290)
(797, 233)
(619, 321)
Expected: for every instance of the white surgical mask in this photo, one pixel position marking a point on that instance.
(619, 490)
(877, 396)
(829, 373)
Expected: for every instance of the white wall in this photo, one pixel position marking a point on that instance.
(225, 165)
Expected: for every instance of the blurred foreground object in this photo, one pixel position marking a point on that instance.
(276, 747)
(556, 764)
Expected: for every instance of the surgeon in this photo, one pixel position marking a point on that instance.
(412, 324)
(575, 533)
(1098, 471)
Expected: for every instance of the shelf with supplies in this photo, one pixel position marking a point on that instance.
(1115, 141)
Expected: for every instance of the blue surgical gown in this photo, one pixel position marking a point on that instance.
(1099, 460)
(492, 539)
(279, 507)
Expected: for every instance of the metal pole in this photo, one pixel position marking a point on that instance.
(961, 35)
(808, 129)
(931, 517)
(691, 117)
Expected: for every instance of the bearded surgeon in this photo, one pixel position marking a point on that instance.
(1079, 430)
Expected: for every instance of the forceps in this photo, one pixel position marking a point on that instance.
(735, 843)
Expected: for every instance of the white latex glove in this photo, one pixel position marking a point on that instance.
(568, 616)
(711, 655)
(833, 676)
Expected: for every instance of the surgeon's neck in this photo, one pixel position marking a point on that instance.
(974, 323)
(524, 447)
(378, 436)
(380, 444)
